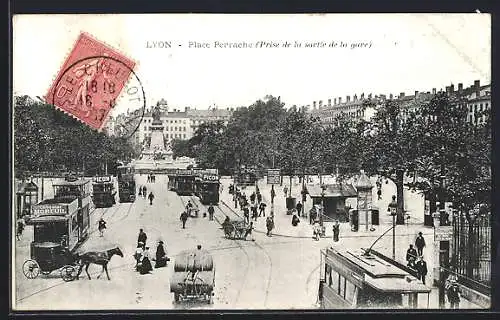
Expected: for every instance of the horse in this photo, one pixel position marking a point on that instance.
(97, 257)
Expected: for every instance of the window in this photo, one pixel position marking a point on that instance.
(175, 121)
(170, 121)
(470, 108)
(184, 136)
(470, 118)
(349, 291)
(481, 107)
(342, 286)
(184, 121)
(475, 108)
(184, 128)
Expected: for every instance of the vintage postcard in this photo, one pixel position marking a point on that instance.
(251, 162)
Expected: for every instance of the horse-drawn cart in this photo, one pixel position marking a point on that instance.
(236, 229)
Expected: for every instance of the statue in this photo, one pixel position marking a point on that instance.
(156, 113)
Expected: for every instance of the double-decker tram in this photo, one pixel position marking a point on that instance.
(103, 192)
(126, 183)
(206, 186)
(183, 183)
(357, 279)
(60, 225)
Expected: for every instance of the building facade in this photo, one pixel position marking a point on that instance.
(177, 124)
(476, 97)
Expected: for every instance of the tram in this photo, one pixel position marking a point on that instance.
(103, 192)
(126, 183)
(206, 187)
(60, 225)
(352, 279)
(183, 182)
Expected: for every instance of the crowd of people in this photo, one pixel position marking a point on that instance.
(143, 257)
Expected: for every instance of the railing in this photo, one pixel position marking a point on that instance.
(471, 258)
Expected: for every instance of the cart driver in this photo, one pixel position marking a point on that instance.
(226, 221)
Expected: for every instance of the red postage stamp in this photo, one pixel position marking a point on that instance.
(90, 81)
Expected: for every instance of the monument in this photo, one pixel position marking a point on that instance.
(157, 150)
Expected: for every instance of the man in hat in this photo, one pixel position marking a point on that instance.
(453, 292)
(161, 256)
(102, 226)
(151, 197)
(142, 237)
(269, 225)
(421, 268)
(336, 231)
(420, 244)
(211, 211)
(411, 256)
(184, 217)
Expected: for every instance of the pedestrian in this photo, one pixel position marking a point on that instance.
(421, 267)
(20, 228)
(184, 217)
(249, 232)
(299, 208)
(138, 255)
(142, 237)
(149, 178)
(379, 194)
(154, 178)
(102, 226)
(262, 209)
(161, 256)
(312, 215)
(246, 214)
(145, 267)
(211, 211)
(189, 207)
(411, 256)
(285, 191)
(269, 225)
(221, 187)
(273, 194)
(151, 197)
(336, 231)
(144, 191)
(140, 191)
(420, 244)
(259, 197)
(453, 292)
(295, 220)
(252, 197)
(254, 210)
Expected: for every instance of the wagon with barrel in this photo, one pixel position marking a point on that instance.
(60, 225)
(193, 277)
(237, 229)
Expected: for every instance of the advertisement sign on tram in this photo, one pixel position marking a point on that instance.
(54, 209)
(101, 179)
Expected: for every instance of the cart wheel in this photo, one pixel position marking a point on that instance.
(68, 273)
(46, 273)
(31, 269)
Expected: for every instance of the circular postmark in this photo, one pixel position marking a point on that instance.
(96, 87)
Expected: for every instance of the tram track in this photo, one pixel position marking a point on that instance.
(269, 277)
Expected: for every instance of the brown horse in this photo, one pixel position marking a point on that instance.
(97, 257)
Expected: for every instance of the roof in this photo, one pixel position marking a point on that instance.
(48, 219)
(333, 191)
(79, 182)
(408, 284)
(46, 244)
(26, 186)
(209, 113)
(62, 199)
(363, 182)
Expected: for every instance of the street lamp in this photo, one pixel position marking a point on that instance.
(393, 208)
(323, 188)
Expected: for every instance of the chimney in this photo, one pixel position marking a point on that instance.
(340, 99)
(348, 98)
(460, 87)
(433, 90)
(476, 84)
(362, 96)
(334, 101)
(401, 95)
(370, 96)
(314, 105)
(320, 103)
(329, 102)
(390, 96)
(452, 88)
(416, 93)
(355, 98)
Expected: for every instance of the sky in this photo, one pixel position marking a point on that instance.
(407, 52)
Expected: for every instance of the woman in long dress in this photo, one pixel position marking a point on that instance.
(146, 262)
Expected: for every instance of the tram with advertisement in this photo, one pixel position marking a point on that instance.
(182, 181)
(103, 191)
(366, 279)
(60, 225)
(126, 183)
(206, 186)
